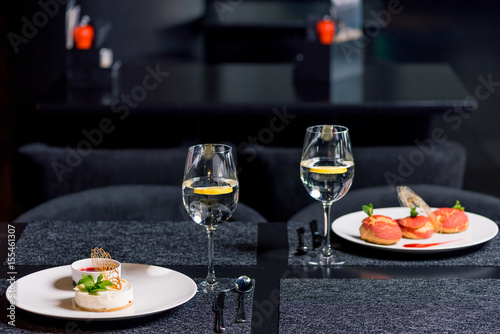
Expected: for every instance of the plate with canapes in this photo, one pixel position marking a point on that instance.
(479, 230)
(50, 292)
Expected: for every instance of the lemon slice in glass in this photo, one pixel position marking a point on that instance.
(215, 190)
(329, 169)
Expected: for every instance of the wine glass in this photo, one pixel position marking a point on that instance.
(327, 170)
(210, 192)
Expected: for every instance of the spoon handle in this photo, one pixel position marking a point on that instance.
(240, 315)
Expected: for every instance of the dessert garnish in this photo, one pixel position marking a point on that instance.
(102, 260)
(413, 212)
(368, 209)
(93, 287)
(458, 206)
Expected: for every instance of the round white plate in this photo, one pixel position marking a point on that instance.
(50, 292)
(481, 229)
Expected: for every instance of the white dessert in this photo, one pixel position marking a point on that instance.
(105, 301)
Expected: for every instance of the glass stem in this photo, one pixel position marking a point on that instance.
(211, 271)
(327, 250)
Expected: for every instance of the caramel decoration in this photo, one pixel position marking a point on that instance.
(103, 261)
(115, 279)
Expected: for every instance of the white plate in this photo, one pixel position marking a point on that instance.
(481, 229)
(50, 292)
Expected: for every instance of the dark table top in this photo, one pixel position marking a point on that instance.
(272, 269)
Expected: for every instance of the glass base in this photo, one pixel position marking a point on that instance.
(322, 260)
(206, 287)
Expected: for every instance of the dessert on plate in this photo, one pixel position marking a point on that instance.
(416, 226)
(451, 220)
(101, 296)
(379, 229)
(108, 292)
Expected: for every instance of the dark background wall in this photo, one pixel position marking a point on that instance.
(462, 33)
(466, 35)
(151, 28)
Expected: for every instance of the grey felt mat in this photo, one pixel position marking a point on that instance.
(156, 243)
(487, 254)
(389, 306)
(195, 316)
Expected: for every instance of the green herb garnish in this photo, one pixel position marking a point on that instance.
(368, 209)
(93, 287)
(458, 206)
(413, 212)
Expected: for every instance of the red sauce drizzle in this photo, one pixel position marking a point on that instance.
(90, 269)
(428, 245)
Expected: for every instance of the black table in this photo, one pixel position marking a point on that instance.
(253, 89)
(200, 102)
(272, 270)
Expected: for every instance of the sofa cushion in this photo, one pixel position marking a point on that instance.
(124, 202)
(44, 172)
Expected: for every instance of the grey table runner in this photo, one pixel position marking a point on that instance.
(487, 254)
(389, 306)
(52, 243)
(195, 316)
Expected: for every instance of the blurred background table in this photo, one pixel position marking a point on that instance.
(195, 103)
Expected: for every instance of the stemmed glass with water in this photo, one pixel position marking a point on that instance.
(210, 192)
(327, 170)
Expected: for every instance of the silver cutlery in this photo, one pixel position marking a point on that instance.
(243, 284)
(301, 249)
(218, 308)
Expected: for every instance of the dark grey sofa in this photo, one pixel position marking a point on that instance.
(124, 202)
(270, 180)
(105, 184)
(129, 183)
